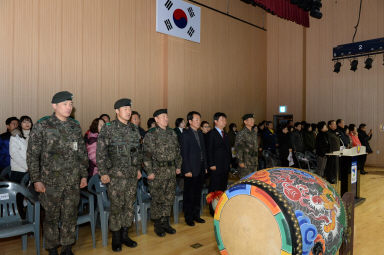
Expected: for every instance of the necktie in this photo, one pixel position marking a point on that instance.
(222, 133)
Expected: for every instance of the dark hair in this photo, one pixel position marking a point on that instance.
(267, 123)
(135, 113)
(307, 126)
(352, 127)
(22, 118)
(330, 122)
(150, 122)
(178, 121)
(104, 115)
(362, 125)
(10, 119)
(231, 126)
(303, 123)
(190, 115)
(283, 126)
(94, 125)
(217, 116)
(320, 125)
(297, 124)
(203, 123)
(338, 121)
(314, 126)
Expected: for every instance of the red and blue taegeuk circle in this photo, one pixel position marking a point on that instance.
(180, 18)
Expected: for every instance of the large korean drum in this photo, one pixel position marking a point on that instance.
(280, 211)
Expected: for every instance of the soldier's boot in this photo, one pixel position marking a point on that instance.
(116, 241)
(66, 250)
(166, 226)
(158, 228)
(52, 251)
(125, 239)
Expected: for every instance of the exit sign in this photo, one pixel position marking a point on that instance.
(282, 109)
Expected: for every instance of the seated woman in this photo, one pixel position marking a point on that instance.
(91, 143)
(18, 144)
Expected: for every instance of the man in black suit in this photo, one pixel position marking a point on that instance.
(193, 168)
(219, 154)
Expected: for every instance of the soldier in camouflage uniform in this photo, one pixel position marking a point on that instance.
(57, 162)
(162, 161)
(118, 160)
(246, 147)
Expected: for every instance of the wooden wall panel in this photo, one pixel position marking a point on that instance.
(127, 52)
(285, 82)
(72, 50)
(91, 96)
(353, 96)
(50, 55)
(217, 76)
(102, 50)
(110, 46)
(7, 10)
(247, 12)
(25, 57)
(299, 62)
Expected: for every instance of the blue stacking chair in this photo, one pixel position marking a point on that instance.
(25, 180)
(144, 203)
(203, 202)
(88, 217)
(176, 204)
(6, 173)
(104, 206)
(11, 224)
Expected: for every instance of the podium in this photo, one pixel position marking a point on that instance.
(349, 171)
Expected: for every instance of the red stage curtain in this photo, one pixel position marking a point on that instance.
(284, 9)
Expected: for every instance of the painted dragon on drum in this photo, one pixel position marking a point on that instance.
(299, 201)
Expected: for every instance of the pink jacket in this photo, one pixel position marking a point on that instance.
(91, 143)
(355, 140)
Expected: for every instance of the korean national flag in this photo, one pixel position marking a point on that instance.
(178, 18)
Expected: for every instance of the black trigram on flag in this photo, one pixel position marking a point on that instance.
(168, 24)
(168, 4)
(190, 31)
(191, 13)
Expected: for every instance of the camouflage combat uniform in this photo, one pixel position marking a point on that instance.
(118, 156)
(246, 148)
(57, 157)
(162, 158)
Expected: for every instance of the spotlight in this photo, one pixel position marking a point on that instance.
(315, 9)
(368, 63)
(305, 5)
(354, 64)
(336, 67)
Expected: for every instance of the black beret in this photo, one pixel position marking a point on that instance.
(61, 97)
(247, 116)
(160, 111)
(122, 102)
